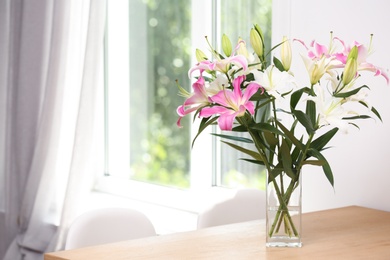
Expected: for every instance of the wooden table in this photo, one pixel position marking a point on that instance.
(344, 233)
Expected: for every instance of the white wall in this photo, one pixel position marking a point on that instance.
(359, 160)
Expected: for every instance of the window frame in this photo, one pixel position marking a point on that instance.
(201, 177)
(205, 177)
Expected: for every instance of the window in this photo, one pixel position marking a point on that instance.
(149, 45)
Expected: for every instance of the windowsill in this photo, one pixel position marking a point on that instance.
(170, 210)
(166, 220)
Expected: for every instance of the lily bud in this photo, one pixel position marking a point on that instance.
(316, 74)
(350, 68)
(353, 54)
(285, 54)
(242, 48)
(226, 45)
(256, 42)
(259, 31)
(349, 71)
(200, 56)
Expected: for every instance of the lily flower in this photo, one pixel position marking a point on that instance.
(316, 50)
(230, 104)
(318, 61)
(241, 48)
(362, 64)
(221, 65)
(218, 84)
(317, 68)
(330, 110)
(274, 81)
(377, 70)
(198, 99)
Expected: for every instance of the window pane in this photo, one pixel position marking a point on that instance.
(159, 152)
(236, 21)
(159, 53)
(150, 45)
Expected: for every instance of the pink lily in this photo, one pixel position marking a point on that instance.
(231, 103)
(363, 53)
(317, 50)
(222, 65)
(198, 99)
(318, 61)
(342, 56)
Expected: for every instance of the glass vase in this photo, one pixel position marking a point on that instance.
(284, 209)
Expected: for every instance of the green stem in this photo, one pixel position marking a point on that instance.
(283, 212)
(283, 206)
(284, 198)
(261, 149)
(292, 186)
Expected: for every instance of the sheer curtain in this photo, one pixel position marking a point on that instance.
(50, 61)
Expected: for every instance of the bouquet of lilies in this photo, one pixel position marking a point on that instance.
(233, 87)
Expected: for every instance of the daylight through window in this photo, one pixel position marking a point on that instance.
(149, 45)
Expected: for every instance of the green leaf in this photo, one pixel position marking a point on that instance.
(311, 111)
(349, 93)
(259, 96)
(305, 121)
(259, 138)
(314, 162)
(270, 138)
(240, 128)
(234, 138)
(264, 127)
(321, 141)
(263, 110)
(296, 96)
(278, 64)
(376, 113)
(286, 93)
(295, 154)
(274, 173)
(206, 78)
(283, 111)
(203, 125)
(286, 159)
(252, 161)
(325, 167)
(357, 117)
(355, 125)
(251, 153)
(290, 136)
(373, 110)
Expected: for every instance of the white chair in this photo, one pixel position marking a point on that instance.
(108, 225)
(246, 205)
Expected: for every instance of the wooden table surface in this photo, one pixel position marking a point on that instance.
(344, 233)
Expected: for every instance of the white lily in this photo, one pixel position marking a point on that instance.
(274, 81)
(330, 110)
(218, 84)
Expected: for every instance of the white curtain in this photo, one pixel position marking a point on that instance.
(50, 59)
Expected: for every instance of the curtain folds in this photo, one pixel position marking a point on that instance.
(50, 85)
